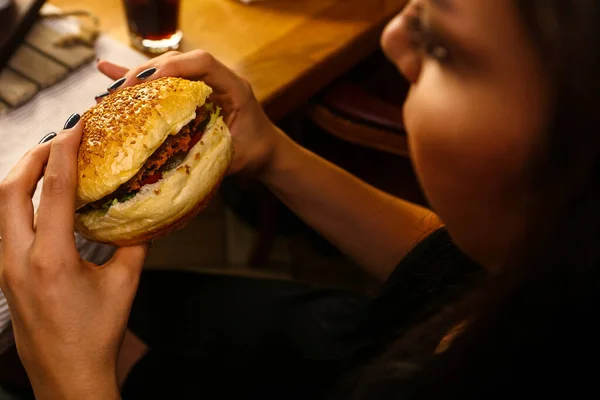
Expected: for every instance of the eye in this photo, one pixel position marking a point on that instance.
(425, 41)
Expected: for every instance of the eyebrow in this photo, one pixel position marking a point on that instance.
(443, 4)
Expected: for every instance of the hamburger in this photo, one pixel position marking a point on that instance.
(150, 159)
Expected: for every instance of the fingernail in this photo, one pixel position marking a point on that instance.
(47, 137)
(72, 121)
(116, 84)
(145, 74)
(101, 95)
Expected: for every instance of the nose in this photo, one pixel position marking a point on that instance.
(399, 44)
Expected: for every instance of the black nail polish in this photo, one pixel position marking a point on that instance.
(116, 84)
(47, 137)
(72, 121)
(145, 74)
(101, 95)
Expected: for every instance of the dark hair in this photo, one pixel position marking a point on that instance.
(533, 331)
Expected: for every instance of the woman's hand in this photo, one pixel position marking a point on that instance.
(69, 315)
(255, 138)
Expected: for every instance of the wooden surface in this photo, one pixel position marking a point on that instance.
(287, 49)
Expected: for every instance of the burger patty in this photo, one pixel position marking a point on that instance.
(173, 145)
(180, 143)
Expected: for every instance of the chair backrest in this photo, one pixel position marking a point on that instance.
(364, 107)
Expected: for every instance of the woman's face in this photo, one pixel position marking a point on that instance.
(475, 112)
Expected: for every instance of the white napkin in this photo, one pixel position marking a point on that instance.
(21, 129)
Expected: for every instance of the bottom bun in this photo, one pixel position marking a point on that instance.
(167, 205)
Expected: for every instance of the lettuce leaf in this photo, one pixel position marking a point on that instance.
(126, 197)
(108, 204)
(214, 115)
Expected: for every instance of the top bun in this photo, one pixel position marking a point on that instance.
(122, 132)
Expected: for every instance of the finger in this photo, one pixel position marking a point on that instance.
(194, 65)
(127, 263)
(131, 257)
(2, 286)
(129, 76)
(197, 65)
(56, 213)
(113, 71)
(99, 97)
(16, 209)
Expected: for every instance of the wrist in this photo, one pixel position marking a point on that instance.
(77, 386)
(282, 153)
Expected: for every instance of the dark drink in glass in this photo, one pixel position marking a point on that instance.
(153, 24)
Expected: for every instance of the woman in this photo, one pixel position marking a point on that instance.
(503, 127)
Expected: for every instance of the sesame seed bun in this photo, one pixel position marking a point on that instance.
(118, 138)
(121, 132)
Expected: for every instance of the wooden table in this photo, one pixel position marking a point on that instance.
(287, 49)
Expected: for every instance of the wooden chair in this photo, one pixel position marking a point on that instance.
(349, 113)
(365, 108)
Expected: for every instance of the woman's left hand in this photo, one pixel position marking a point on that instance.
(69, 315)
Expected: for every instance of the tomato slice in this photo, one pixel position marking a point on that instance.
(151, 179)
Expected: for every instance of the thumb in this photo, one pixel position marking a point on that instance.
(129, 260)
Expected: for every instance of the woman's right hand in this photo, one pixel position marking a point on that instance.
(255, 137)
(69, 315)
